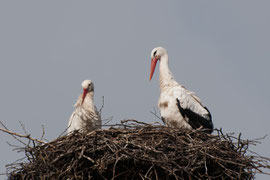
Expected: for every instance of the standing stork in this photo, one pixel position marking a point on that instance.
(179, 107)
(85, 117)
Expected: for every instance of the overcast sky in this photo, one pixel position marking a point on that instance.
(218, 49)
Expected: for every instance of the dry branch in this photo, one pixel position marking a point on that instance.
(16, 135)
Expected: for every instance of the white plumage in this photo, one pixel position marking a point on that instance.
(85, 117)
(179, 107)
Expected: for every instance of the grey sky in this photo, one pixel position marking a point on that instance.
(219, 49)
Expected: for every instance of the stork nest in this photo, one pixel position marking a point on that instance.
(134, 150)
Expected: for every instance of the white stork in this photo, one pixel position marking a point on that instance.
(179, 107)
(85, 116)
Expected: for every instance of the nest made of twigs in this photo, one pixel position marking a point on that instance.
(133, 150)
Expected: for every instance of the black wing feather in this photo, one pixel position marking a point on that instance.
(195, 120)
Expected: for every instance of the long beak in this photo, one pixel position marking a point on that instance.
(85, 91)
(153, 66)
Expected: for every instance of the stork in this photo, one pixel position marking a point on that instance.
(85, 117)
(179, 107)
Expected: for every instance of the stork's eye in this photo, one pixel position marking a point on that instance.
(155, 53)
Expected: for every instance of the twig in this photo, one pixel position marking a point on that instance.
(107, 120)
(20, 135)
(6, 129)
(156, 114)
(43, 133)
(102, 106)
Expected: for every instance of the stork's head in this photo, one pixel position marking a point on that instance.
(156, 55)
(87, 86)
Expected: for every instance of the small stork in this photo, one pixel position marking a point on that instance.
(179, 107)
(85, 117)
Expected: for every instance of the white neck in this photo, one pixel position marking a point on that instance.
(165, 76)
(88, 102)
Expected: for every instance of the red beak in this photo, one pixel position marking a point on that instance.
(153, 66)
(85, 91)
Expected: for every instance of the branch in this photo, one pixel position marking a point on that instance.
(19, 135)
